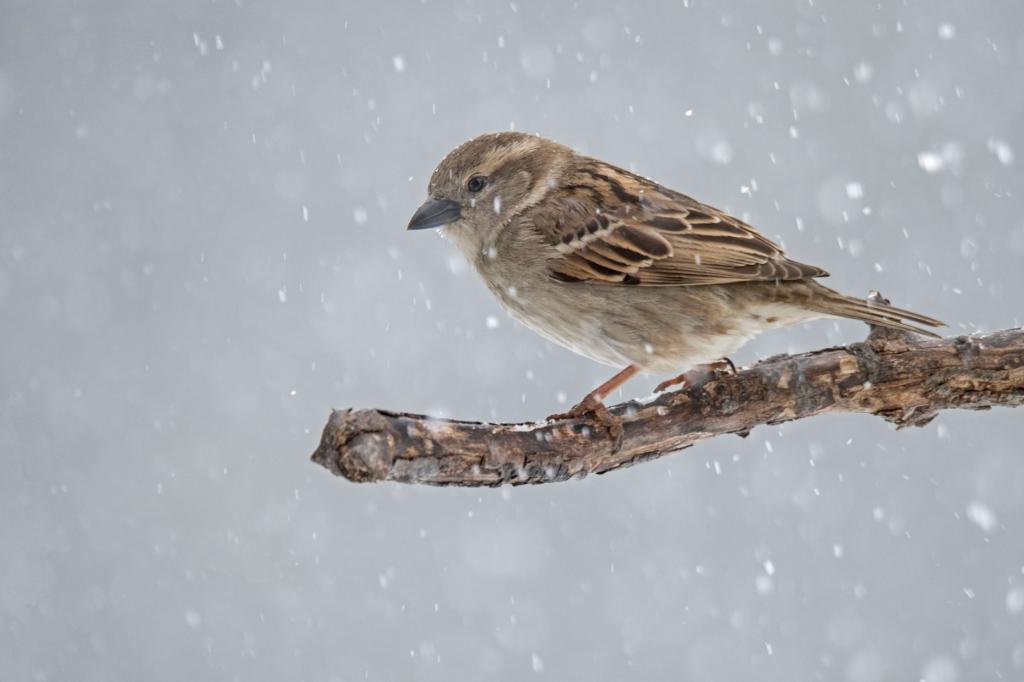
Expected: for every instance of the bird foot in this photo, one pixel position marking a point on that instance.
(592, 409)
(698, 375)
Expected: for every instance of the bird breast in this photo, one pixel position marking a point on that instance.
(659, 329)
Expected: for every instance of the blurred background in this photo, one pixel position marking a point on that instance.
(202, 251)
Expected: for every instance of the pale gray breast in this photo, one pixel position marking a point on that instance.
(516, 273)
(658, 328)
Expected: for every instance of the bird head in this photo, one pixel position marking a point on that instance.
(482, 184)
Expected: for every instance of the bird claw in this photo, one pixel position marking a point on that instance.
(698, 375)
(682, 381)
(595, 411)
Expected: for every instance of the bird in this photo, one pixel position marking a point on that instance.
(621, 269)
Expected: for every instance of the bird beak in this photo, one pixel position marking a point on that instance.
(434, 213)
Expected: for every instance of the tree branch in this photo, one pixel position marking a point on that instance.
(902, 378)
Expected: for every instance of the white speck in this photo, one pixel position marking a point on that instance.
(1015, 600)
(258, 79)
(193, 618)
(721, 152)
(968, 248)
(854, 190)
(200, 44)
(982, 516)
(775, 46)
(293, 392)
(947, 31)
(537, 663)
(305, 214)
(218, 42)
(1002, 150)
(648, 348)
(837, 550)
(593, 76)
(969, 592)
(768, 648)
(863, 72)
(764, 584)
(894, 111)
(930, 162)
(497, 204)
(949, 156)
(688, 113)
(561, 397)
(769, 567)
(398, 61)
(282, 294)
(359, 215)
(492, 322)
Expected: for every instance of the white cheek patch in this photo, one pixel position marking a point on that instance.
(497, 204)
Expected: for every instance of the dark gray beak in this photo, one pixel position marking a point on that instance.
(434, 213)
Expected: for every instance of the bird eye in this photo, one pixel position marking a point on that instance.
(476, 183)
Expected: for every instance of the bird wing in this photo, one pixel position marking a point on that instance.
(609, 225)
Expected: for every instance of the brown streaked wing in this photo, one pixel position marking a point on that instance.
(609, 225)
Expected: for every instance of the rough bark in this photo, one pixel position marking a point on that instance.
(902, 378)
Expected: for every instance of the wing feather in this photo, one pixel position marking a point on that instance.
(609, 225)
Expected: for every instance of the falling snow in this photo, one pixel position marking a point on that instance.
(1001, 149)
(982, 516)
(204, 253)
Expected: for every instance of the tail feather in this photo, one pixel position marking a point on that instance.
(831, 302)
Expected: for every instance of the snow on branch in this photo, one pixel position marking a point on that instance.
(904, 379)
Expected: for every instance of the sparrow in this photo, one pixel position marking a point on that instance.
(620, 269)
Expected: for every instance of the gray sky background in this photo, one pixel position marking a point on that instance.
(202, 250)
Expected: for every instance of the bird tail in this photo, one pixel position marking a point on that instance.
(825, 300)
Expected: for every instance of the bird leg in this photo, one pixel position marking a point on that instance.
(593, 404)
(698, 374)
